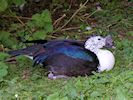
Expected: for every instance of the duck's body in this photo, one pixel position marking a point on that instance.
(66, 57)
(62, 57)
(61, 64)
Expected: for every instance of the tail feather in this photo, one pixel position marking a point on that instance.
(18, 52)
(30, 51)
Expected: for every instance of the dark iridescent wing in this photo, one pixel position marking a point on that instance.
(70, 48)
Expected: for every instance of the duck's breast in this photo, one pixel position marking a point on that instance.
(106, 59)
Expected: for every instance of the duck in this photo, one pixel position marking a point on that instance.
(67, 58)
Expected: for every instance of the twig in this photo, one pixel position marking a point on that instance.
(23, 24)
(70, 28)
(75, 14)
(91, 14)
(51, 36)
(20, 21)
(20, 17)
(56, 23)
(72, 16)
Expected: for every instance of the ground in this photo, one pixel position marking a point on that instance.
(63, 20)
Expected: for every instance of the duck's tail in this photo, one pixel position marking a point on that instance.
(29, 51)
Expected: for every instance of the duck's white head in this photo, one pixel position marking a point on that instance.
(105, 57)
(97, 42)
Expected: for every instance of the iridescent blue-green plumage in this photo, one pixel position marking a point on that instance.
(62, 57)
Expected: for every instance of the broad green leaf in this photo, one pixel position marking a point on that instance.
(3, 5)
(48, 27)
(129, 85)
(3, 70)
(4, 35)
(64, 98)
(42, 20)
(54, 96)
(102, 80)
(73, 93)
(117, 17)
(95, 94)
(3, 65)
(6, 39)
(39, 35)
(121, 94)
(3, 55)
(78, 83)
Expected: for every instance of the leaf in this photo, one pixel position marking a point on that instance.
(129, 85)
(117, 17)
(95, 94)
(102, 80)
(121, 94)
(6, 39)
(64, 98)
(3, 5)
(3, 55)
(4, 35)
(54, 96)
(73, 93)
(3, 65)
(48, 27)
(42, 21)
(3, 70)
(83, 26)
(39, 35)
(78, 83)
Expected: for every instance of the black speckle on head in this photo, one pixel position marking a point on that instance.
(99, 39)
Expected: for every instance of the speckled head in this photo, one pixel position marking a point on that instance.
(97, 42)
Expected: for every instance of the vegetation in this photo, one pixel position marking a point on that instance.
(22, 20)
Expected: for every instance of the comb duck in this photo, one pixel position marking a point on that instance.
(66, 58)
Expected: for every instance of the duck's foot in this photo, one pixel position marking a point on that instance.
(52, 76)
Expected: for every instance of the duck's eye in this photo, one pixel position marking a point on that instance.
(99, 39)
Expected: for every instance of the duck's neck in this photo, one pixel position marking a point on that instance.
(95, 50)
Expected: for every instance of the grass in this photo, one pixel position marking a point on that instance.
(23, 82)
